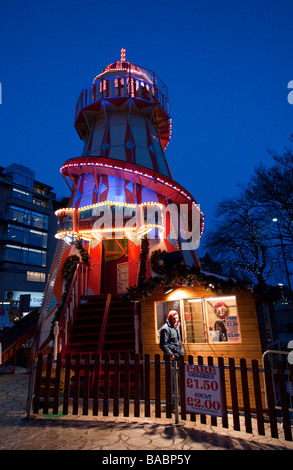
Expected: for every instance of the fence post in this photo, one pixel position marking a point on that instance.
(169, 385)
(270, 397)
(147, 400)
(225, 423)
(192, 415)
(213, 418)
(116, 385)
(234, 394)
(175, 371)
(126, 392)
(31, 389)
(291, 374)
(86, 390)
(284, 404)
(203, 419)
(76, 385)
(258, 402)
(47, 384)
(57, 385)
(38, 383)
(182, 387)
(106, 384)
(56, 332)
(96, 384)
(245, 394)
(157, 386)
(136, 385)
(66, 384)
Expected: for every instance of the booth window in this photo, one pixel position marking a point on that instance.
(194, 324)
(222, 319)
(208, 320)
(162, 311)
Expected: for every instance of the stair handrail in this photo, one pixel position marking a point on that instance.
(77, 289)
(104, 324)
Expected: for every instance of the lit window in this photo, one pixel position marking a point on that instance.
(39, 202)
(27, 236)
(33, 276)
(27, 217)
(21, 194)
(23, 255)
(222, 319)
(208, 320)
(162, 311)
(194, 324)
(15, 233)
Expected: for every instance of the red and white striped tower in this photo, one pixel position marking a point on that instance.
(121, 187)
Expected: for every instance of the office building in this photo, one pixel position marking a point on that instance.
(27, 229)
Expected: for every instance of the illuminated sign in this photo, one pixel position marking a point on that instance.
(35, 300)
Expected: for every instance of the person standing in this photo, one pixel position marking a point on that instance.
(170, 337)
(220, 327)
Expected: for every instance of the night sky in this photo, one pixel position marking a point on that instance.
(227, 65)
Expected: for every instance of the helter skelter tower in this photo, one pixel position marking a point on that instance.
(122, 189)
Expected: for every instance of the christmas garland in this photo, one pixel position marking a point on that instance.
(179, 275)
(84, 254)
(68, 270)
(158, 262)
(144, 251)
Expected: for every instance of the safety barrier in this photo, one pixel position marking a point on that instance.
(123, 385)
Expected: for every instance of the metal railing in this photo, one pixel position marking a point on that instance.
(115, 87)
(78, 288)
(287, 370)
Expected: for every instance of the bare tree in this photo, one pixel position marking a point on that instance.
(245, 239)
(273, 189)
(241, 240)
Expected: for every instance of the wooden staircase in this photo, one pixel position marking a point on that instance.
(96, 330)
(92, 332)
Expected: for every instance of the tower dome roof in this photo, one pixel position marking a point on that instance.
(135, 71)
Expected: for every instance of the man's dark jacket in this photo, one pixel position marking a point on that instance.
(170, 340)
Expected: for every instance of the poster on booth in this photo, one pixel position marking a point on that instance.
(122, 278)
(233, 330)
(203, 390)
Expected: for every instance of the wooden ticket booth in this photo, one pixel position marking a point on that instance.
(212, 324)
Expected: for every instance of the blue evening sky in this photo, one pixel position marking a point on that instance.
(226, 64)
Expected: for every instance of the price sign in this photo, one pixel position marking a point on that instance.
(203, 389)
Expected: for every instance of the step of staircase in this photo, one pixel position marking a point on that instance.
(85, 333)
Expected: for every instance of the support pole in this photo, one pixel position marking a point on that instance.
(56, 339)
(175, 377)
(136, 328)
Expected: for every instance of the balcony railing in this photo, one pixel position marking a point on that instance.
(122, 87)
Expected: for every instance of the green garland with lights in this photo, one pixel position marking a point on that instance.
(178, 276)
(68, 270)
(144, 251)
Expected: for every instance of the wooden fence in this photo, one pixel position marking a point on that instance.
(124, 386)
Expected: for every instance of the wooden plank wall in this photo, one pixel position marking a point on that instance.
(248, 348)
